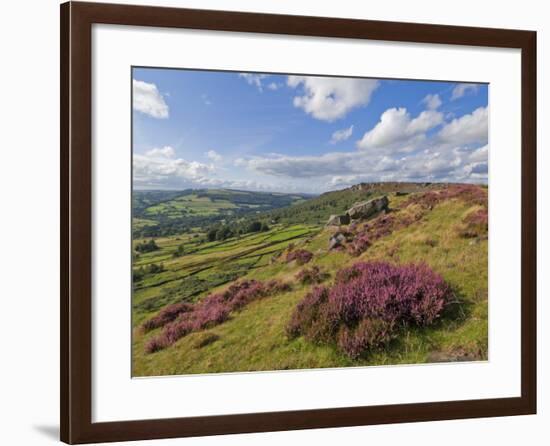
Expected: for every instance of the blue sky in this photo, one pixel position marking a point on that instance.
(286, 133)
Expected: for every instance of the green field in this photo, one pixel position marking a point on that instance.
(158, 213)
(254, 338)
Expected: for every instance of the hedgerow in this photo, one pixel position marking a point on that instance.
(368, 304)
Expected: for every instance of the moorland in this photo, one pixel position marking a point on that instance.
(227, 281)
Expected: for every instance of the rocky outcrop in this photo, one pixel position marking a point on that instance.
(336, 240)
(367, 209)
(338, 220)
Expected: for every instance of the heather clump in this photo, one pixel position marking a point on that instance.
(386, 224)
(476, 224)
(166, 315)
(469, 193)
(301, 256)
(359, 245)
(368, 304)
(313, 275)
(212, 310)
(375, 230)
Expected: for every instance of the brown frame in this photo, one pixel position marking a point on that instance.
(76, 221)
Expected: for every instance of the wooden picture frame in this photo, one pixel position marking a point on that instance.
(76, 221)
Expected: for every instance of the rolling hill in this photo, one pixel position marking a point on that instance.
(442, 226)
(158, 213)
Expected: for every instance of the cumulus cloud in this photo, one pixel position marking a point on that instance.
(162, 152)
(405, 150)
(159, 166)
(342, 169)
(461, 89)
(396, 130)
(254, 79)
(273, 86)
(341, 135)
(432, 101)
(458, 151)
(214, 156)
(329, 99)
(469, 128)
(148, 100)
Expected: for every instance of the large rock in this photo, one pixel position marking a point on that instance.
(336, 240)
(338, 220)
(367, 209)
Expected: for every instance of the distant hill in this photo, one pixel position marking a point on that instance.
(158, 213)
(318, 209)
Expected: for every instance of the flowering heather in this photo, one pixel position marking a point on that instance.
(368, 335)
(469, 193)
(376, 229)
(302, 256)
(368, 303)
(477, 224)
(386, 224)
(166, 315)
(359, 245)
(213, 310)
(308, 276)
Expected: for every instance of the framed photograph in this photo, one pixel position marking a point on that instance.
(279, 222)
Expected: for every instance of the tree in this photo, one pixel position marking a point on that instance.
(179, 252)
(147, 246)
(211, 234)
(155, 268)
(138, 274)
(223, 233)
(255, 226)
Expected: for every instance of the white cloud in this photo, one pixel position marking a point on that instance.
(147, 99)
(396, 131)
(458, 152)
(254, 79)
(273, 86)
(405, 151)
(461, 89)
(301, 166)
(159, 166)
(341, 135)
(213, 155)
(163, 152)
(329, 99)
(432, 101)
(470, 128)
(342, 169)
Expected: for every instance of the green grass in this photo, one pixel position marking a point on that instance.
(254, 338)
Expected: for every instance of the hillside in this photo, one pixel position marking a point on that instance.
(443, 226)
(158, 213)
(316, 210)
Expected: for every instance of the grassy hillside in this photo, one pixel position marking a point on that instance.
(157, 213)
(428, 224)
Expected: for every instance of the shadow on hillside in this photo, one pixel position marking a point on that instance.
(457, 311)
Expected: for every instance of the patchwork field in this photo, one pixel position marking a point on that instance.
(157, 213)
(220, 299)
